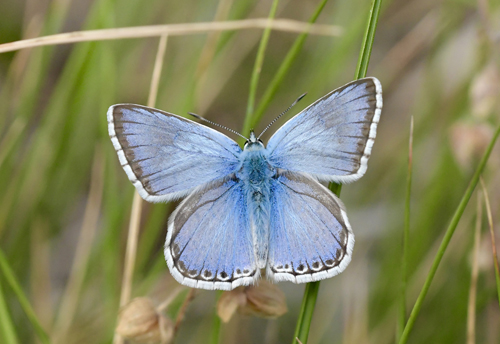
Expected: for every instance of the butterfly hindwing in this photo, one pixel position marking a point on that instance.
(311, 238)
(333, 137)
(209, 242)
(166, 156)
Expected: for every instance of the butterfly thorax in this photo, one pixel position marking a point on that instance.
(256, 173)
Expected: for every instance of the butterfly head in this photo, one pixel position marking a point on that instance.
(253, 142)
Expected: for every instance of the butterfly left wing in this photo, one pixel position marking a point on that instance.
(209, 243)
(167, 156)
(331, 139)
(310, 236)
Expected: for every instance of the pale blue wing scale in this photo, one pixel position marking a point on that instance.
(167, 156)
(310, 236)
(209, 242)
(331, 139)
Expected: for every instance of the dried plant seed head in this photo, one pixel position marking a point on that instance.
(229, 302)
(468, 142)
(485, 91)
(140, 322)
(264, 300)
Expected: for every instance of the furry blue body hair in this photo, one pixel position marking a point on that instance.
(256, 172)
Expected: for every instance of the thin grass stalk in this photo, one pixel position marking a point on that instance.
(254, 81)
(366, 48)
(311, 291)
(471, 306)
(135, 218)
(207, 56)
(7, 331)
(72, 293)
(13, 133)
(306, 312)
(492, 234)
(277, 80)
(216, 323)
(40, 282)
(11, 279)
(182, 311)
(286, 25)
(446, 239)
(210, 47)
(406, 238)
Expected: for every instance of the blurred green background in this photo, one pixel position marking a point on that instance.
(438, 61)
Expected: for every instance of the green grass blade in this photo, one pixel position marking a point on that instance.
(311, 291)
(254, 81)
(7, 331)
(217, 322)
(306, 312)
(366, 48)
(406, 238)
(446, 240)
(280, 75)
(23, 300)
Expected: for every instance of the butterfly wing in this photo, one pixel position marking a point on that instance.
(209, 243)
(332, 139)
(166, 156)
(310, 238)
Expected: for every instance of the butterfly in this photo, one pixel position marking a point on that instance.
(257, 210)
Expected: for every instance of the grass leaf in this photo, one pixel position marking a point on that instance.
(23, 300)
(446, 240)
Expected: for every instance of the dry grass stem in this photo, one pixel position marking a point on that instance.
(471, 307)
(10, 138)
(130, 255)
(490, 225)
(135, 217)
(155, 80)
(401, 54)
(73, 289)
(171, 297)
(40, 273)
(287, 25)
(182, 311)
(210, 46)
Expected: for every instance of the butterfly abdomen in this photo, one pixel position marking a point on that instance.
(256, 173)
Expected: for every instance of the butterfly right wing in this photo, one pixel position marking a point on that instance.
(167, 156)
(209, 243)
(332, 138)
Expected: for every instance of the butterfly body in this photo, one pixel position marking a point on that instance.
(256, 174)
(262, 208)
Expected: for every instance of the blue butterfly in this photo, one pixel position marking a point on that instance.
(256, 208)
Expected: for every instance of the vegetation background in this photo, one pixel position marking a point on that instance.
(65, 202)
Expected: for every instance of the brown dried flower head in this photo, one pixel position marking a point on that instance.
(469, 141)
(140, 322)
(263, 300)
(485, 90)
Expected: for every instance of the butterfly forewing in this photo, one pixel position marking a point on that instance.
(332, 138)
(209, 243)
(311, 238)
(166, 156)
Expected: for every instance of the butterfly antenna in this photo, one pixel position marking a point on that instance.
(216, 124)
(284, 112)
